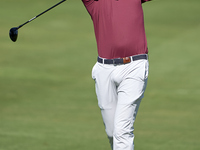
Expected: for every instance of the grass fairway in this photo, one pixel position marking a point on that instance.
(47, 98)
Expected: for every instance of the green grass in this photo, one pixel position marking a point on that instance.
(47, 98)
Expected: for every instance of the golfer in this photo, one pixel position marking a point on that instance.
(121, 71)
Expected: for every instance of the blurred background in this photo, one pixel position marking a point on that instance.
(47, 96)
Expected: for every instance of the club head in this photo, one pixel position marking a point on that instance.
(13, 34)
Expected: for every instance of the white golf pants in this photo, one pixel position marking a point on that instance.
(119, 92)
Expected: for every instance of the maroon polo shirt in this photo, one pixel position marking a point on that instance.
(118, 26)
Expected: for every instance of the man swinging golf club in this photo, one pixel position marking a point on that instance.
(121, 71)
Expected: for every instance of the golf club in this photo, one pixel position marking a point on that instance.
(14, 31)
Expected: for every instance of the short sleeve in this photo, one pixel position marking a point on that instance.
(87, 2)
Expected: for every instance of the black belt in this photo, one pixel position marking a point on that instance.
(124, 60)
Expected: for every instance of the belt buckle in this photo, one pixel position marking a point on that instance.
(126, 60)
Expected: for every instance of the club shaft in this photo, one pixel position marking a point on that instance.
(41, 14)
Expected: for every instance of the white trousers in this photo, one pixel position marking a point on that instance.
(119, 92)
